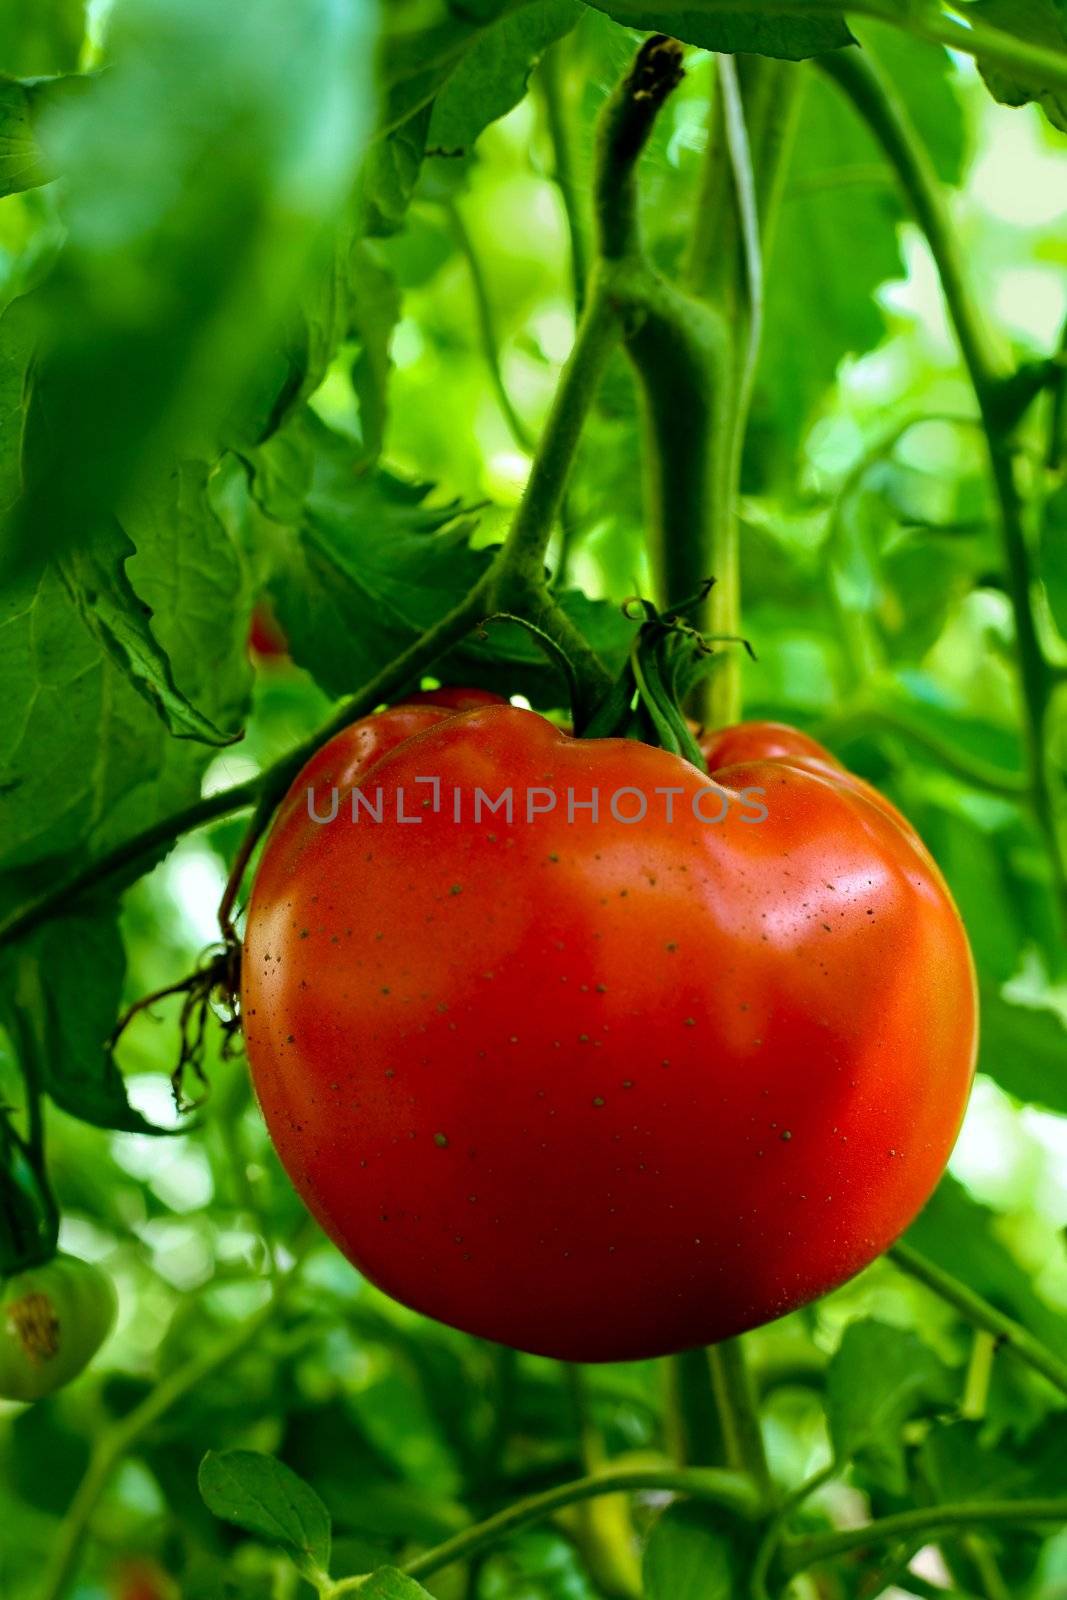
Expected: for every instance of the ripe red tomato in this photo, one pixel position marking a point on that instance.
(454, 698)
(776, 741)
(602, 1088)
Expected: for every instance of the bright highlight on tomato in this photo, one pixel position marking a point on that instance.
(599, 1085)
(53, 1320)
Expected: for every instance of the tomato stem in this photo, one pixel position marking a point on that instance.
(608, 1532)
(797, 1555)
(733, 1494)
(694, 1427)
(1009, 1335)
(735, 1396)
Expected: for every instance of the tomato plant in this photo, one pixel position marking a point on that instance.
(507, 1199)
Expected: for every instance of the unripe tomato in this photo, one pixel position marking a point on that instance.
(596, 1087)
(266, 638)
(143, 1580)
(53, 1320)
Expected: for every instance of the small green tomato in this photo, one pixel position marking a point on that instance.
(53, 1320)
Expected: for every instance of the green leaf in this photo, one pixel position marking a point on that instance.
(1053, 555)
(375, 312)
(1038, 22)
(960, 1465)
(96, 577)
(22, 163)
(265, 1497)
(374, 565)
(689, 1557)
(18, 341)
(976, 866)
(761, 33)
(390, 174)
(839, 186)
(41, 36)
(1024, 1049)
(65, 689)
(186, 244)
(922, 75)
(493, 74)
(878, 1378)
(416, 60)
(63, 695)
(186, 568)
(389, 1584)
(66, 982)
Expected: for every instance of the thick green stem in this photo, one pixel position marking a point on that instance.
(797, 1555)
(622, 133)
(724, 1489)
(681, 356)
(695, 1434)
(988, 369)
(607, 1534)
(695, 358)
(738, 1406)
(1008, 1334)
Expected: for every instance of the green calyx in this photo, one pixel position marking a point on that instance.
(668, 656)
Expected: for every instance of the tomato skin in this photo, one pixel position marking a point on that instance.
(764, 741)
(455, 698)
(266, 637)
(595, 1090)
(143, 1580)
(776, 741)
(53, 1320)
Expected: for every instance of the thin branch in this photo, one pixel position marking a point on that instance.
(1009, 1335)
(859, 719)
(797, 1555)
(487, 327)
(731, 1493)
(549, 80)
